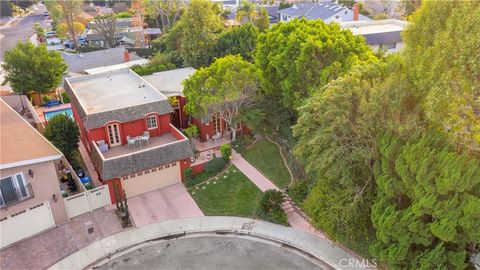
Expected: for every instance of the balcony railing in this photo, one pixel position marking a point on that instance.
(16, 196)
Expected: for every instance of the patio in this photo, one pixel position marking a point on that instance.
(212, 144)
(126, 150)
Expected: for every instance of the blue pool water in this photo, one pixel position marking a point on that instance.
(50, 114)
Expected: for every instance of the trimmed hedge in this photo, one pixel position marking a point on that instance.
(215, 165)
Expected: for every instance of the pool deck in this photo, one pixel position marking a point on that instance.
(41, 110)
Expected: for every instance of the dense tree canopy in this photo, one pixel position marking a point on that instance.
(336, 132)
(226, 87)
(63, 132)
(33, 68)
(374, 141)
(442, 50)
(298, 57)
(240, 40)
(428, 204)
(200, 26)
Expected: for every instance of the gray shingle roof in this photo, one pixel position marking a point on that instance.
(383, 38)
(141, 160)
(77, 63)
(323, 10)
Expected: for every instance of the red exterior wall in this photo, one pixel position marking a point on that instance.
(132, 128)
(203, 129)
(198, 168)
(110, 184)
(164, 123)
(178, 135)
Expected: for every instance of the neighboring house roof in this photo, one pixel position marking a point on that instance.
(377, 32)
(78, 63)
(273, 14)
(125, 65)
(170, 82)
(323, 10)
(20, 143)
(120, 23)
(119, 95)
(152, 31)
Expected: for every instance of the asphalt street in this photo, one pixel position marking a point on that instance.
(21, 30)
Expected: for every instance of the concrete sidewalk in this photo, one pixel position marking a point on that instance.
(252, 173)
(294, 218)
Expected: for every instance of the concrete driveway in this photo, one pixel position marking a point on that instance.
(170, 202)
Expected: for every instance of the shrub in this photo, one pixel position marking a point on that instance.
(188, 174)
(191, 131)
(124, 14)
(270, 207)
(214, 165)
(226, 150)
(65, 98)
(45, 99)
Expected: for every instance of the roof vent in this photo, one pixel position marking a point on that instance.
(141, 85)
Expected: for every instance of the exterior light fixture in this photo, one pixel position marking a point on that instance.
(30, 172)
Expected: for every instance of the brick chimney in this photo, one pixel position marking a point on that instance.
(126, 56)
(356, 11)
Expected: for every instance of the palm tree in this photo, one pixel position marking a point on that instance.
(247, 12)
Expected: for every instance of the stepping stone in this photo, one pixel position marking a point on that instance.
(224, 176)
(196, 188)
(208, 182)
(193, 192)
(214, 182)
(203, 187)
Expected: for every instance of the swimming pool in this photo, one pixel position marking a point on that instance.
(50, 114)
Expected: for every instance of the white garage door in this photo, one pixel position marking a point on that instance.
(152, 179)
(26, 223)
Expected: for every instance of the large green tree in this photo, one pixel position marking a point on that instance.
(63, 132)
(201, 26)
(227, 87)
(240, 40)
(337, 130)
(32, 68)
(427, 210)
(298, 57)
(442, 50)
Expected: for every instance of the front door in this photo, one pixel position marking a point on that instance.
(114, 134)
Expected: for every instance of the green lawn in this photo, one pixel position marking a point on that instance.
(265, 156)
(231, 194)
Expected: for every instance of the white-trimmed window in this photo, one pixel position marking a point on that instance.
(152, 121)
(13, 188)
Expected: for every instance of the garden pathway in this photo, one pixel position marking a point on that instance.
(295, 216)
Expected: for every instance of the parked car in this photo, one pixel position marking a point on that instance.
(45, 13)
(50, 34)
(68, 44)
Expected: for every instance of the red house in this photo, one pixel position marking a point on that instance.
(125, 125)
(169, 83)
